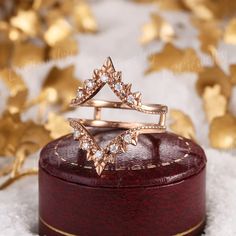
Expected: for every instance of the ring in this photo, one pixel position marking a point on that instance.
(128, 100)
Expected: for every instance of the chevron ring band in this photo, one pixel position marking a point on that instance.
(97, 122)
(129, 100)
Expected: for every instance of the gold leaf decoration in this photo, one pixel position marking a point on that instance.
(171, 5)
(230, 32)
(57, 125)
(57, 32)
(27, 22)
(233, 74)
(16, 133)
(8, 124)
(83, 18)
(6, 51)
(35, 136)
(222, 132)
(39, 4)
(35, 31)
(17, 176)
(27, 54)
(201, 9)
(208, 9)
(20, 140)
(215, 104)
(158, 28)
(63, 49)
(12, 80)
(175, 59)
(211, 76)
(209, 34)
(59, 80)
(182, 124)
(6, 169)
(16, 103)
(18, 90)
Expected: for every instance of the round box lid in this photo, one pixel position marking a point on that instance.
(158, 159)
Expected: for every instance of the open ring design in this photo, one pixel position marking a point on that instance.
(128, 100)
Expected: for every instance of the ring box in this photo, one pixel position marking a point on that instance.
(156, 188)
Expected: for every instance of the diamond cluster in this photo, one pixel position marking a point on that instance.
(97, 154)
(113, 79)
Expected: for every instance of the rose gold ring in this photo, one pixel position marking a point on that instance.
(129, 100)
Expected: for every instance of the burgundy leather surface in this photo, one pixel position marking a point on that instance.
(152, 150)
(165, 197)
(141, 211)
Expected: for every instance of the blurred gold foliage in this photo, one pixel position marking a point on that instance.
(230, 32)
(215, 23)
(203, 9)
(59, 80)
(33, 32)
(18, 138)
(223, 132)
(17, 88)
(210, 33)
(57, 125)
(182, 124)
(210, 76)
(158, 28)
(208, 9)
(215, 104)
(36, 31)
(233, 74)
(175, 59)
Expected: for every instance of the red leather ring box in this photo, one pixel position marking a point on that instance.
(157, 188)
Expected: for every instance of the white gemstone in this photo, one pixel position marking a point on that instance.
(113, 148)
(98, 154)
(80, 94)
(131, 99)
(77, 134)
(89, 84)
(104, 78)
(85, 146)
(118, 87)
(128, 138)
